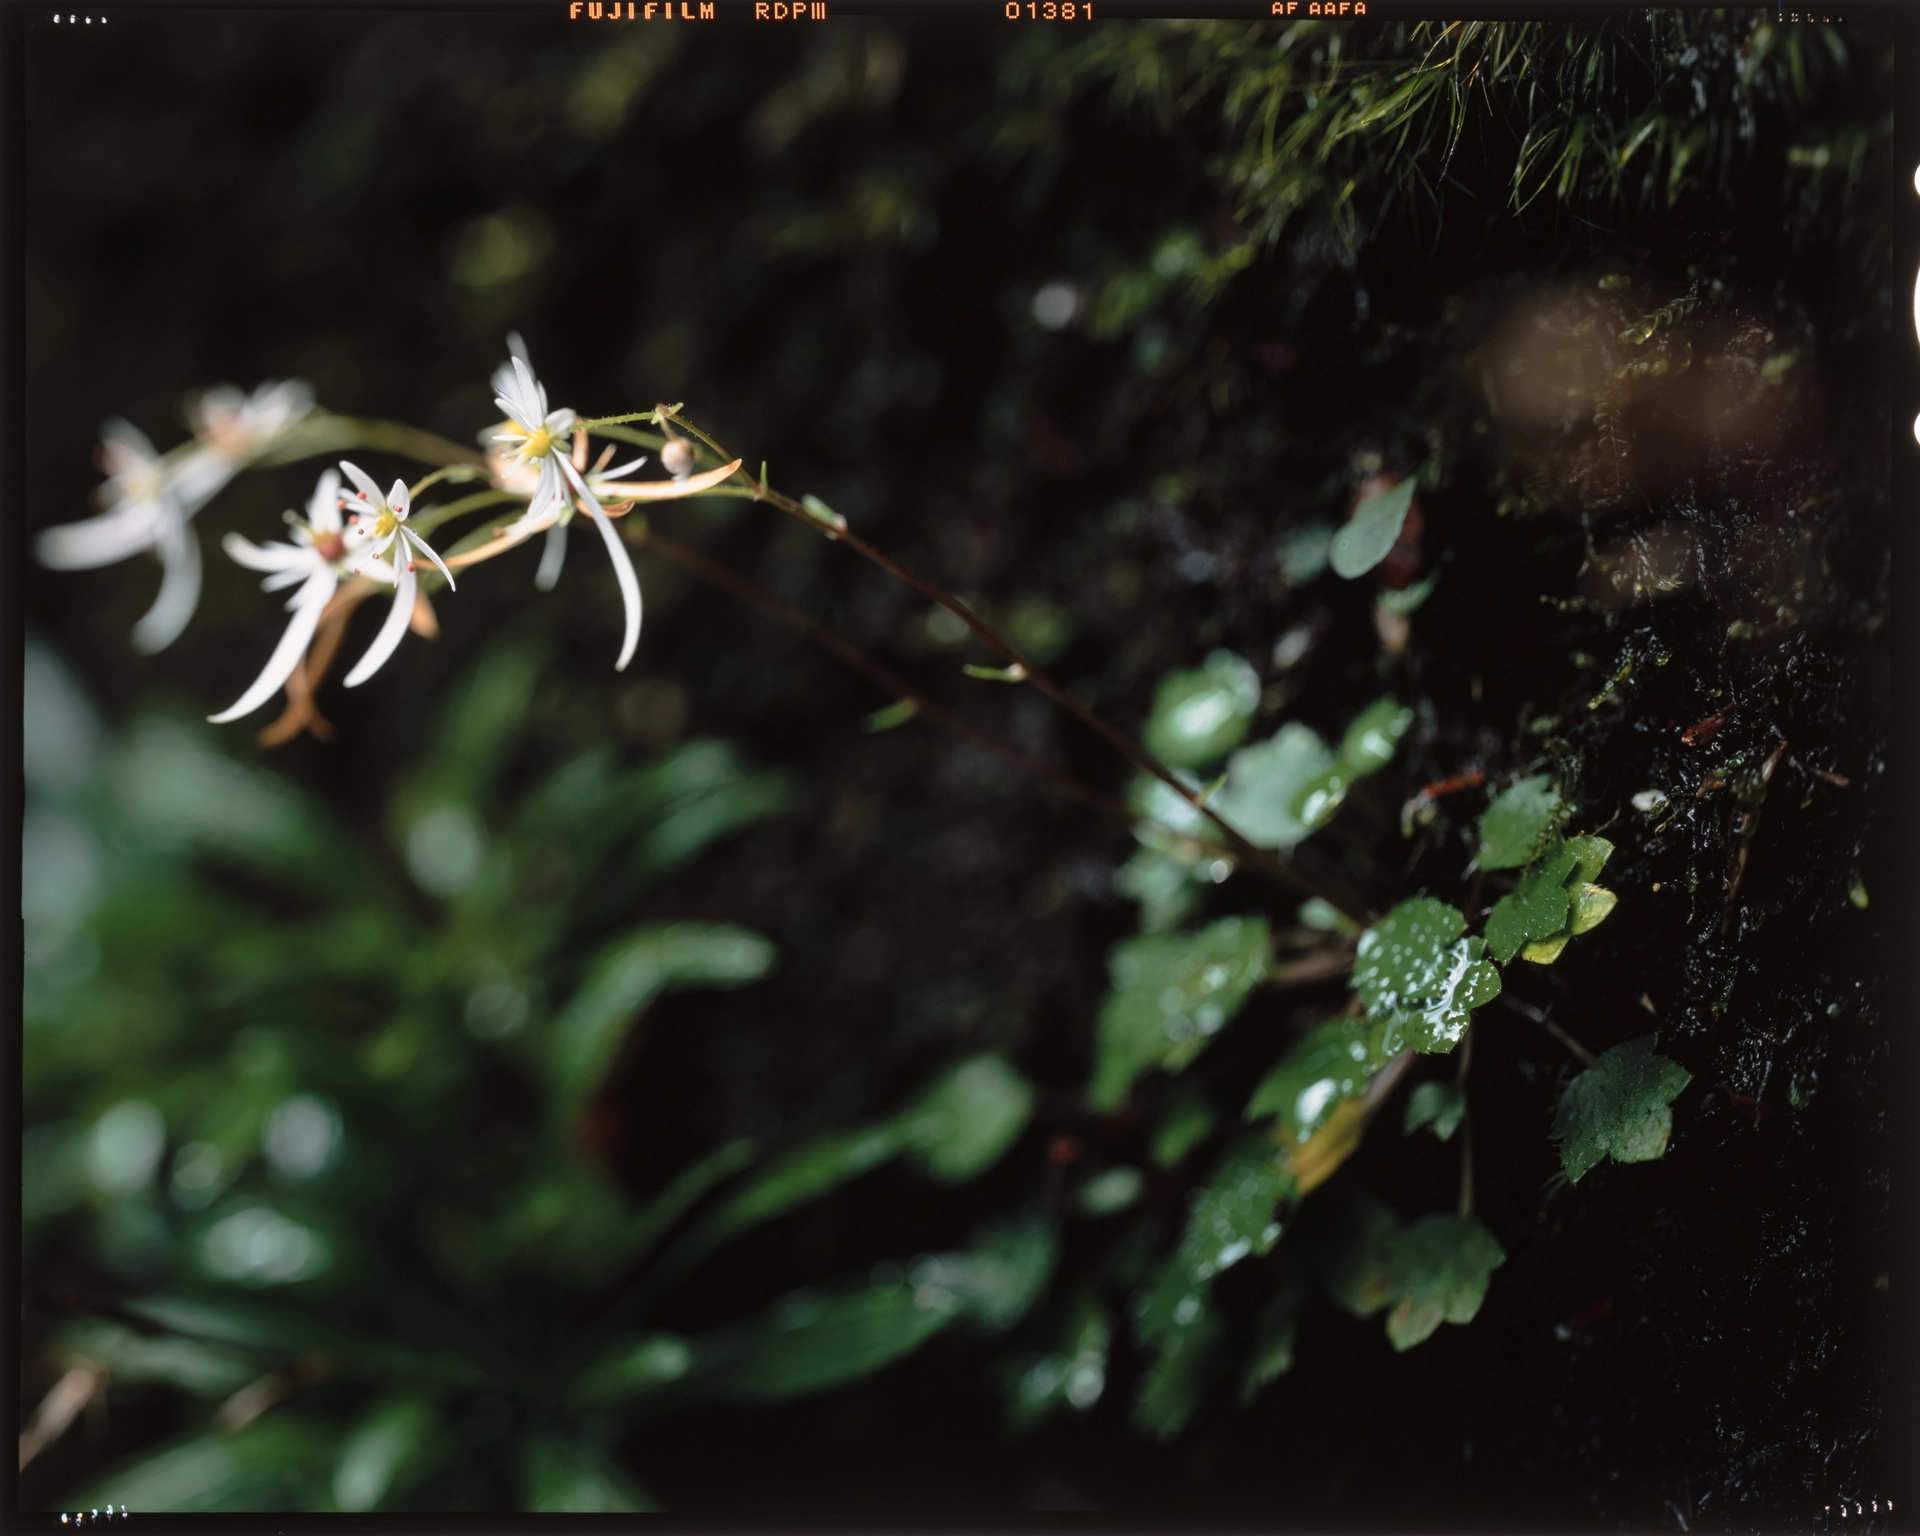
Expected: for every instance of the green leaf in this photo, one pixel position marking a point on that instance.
(629, 973)
(1075, 1375)
(1373, 736)
(1229, 1217)
(821, 1165)
(1273, 1337)
(1618, 1108)
(1111, 1191)
(1372, 531)
(1166, 887)
(563, 1477)
(1440, 1266)
(1188, 1121)
(1518, 823)
(1591, 904)
(1171, 994)
(1348, 1237)
(1200, 716)
(1333, 1062)
(1267, 782)
(277, 1462)
(1413, 969)
(812, 1341)
(1172, 1386)
(1157, 801)
(1400, 604)
(1305, 553)
(636, 1368)
(1536, 908)
(1324, 917)
(379, 1451)
(206, 1370)
(961, 1126)
(1590, 855)
(1440, 1105)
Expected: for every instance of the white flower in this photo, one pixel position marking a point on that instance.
(144, 513)
(232, 430)
(323, 550)
(537, 440)
(150, 498)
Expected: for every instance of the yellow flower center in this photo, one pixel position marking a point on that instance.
(538, 444)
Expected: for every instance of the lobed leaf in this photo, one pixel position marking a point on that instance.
(1618, 1108)
(1516, 825)
(1439, 1268)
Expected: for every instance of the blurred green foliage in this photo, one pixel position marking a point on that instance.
(310, 1122)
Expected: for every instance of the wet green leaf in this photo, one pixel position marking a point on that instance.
(630, 972)
(1373, 736)
(1171, 994)
(1439, 1105)
(1266, 783)
(1229, 1217)
(1075, 1375)
(1536, 908)
(1273, 1337)
(962, 1125)
(1372, 531)
(1440, 1266)
(1324, 917)
(1618, 1108)
(1200, 716)
(1518, 823)
(1413, 968)
(1333, 1062)
(565, 1477)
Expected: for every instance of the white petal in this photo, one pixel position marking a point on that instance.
(412, 539)
(279, 581)
(265, 557)
(552, 558)
(560, 421)
(622, 569)
(399, 500)
(363, 482)
(388, 640)
(531, 391)
(128, 529)
(179, 595)
(323, 507)
(196, 479)
(621, 469)
(286, 655)
(373, 566)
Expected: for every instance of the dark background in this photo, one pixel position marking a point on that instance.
(827, 247)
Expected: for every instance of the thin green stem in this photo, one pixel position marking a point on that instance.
(425, 522)
(456, 473)
(328, 433)
(1259, 858)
